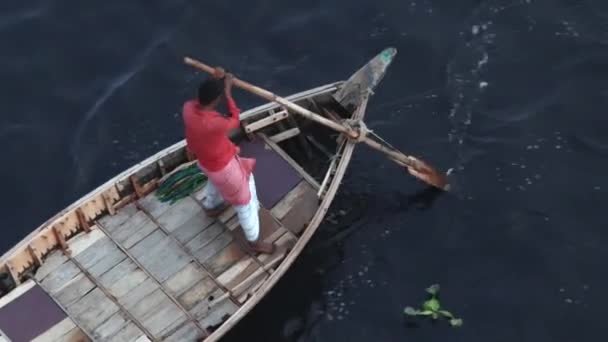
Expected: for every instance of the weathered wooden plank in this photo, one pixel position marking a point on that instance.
(83, 241)
(74, 290)
(269, 120)
(134, 238)
(152, 205)
(284, 243)
(244, 293)
(194, 226)
(270, 229)
(217, 314)
(214, 247)
(120, 217)
(163, 317)
(144, 306)
(92, 310)
(290, 200)
(204, 305)
(197, 293)
(143, 339)
(61, 277)
(140, 292)
(227, 215)
(297, 209)
(224, 259)
(129, 226)
(238, 272)
(122, 278)
(187, 332)
(287, 134)
(184, 279)
(75, 335)
(179, 214)
(100, 256)
(204, 238)
(53, 261)
(55, 333)
(129, 333)
(110, 327)
(162, 259)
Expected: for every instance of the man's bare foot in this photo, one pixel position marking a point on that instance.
(261, 247)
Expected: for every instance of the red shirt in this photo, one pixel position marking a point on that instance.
(207, 134)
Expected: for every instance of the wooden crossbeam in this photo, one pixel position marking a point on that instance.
(267, 121)
(287, 134)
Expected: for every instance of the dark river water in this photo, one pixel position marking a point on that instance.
(510, 95)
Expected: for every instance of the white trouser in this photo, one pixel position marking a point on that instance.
(248, 214)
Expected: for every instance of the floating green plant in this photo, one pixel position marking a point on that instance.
(432, 308)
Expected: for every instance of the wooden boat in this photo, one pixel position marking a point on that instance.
(120, 265)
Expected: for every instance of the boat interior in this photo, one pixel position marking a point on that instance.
(120, 265)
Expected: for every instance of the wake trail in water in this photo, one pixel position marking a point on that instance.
(115, 85)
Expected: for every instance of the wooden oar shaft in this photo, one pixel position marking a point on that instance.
(274, 98)
(395, 155)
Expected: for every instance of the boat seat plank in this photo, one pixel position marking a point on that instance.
(160, 255)
(194, 226)
(179, 213)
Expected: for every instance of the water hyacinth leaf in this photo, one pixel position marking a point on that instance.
(446, 313)
(431, 304)
(456, 322)
(433, 289)
(410, 311)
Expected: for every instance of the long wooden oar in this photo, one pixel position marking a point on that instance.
(416, 167)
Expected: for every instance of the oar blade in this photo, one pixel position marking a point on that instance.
(429, 175)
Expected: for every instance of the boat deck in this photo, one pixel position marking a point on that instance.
(155, 271)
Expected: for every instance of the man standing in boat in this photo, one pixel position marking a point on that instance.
(230, 178)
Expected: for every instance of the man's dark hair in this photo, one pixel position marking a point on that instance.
(210, 90)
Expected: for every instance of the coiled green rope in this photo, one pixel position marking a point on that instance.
(181, 184)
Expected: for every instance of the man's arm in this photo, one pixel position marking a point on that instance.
(233, 110)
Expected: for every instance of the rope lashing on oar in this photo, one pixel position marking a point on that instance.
(181, 184)
(358, 126)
